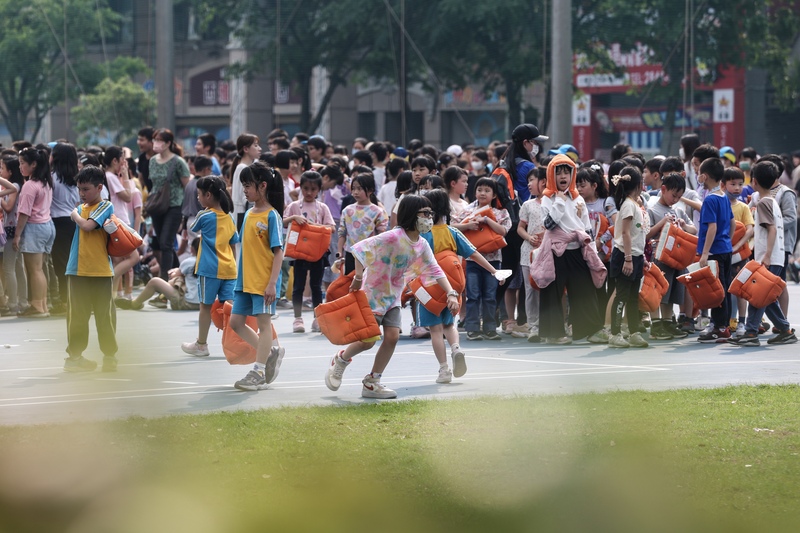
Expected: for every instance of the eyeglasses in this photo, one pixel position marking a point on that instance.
(427, 213)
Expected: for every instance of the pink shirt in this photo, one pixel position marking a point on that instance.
(316, 212)
(121, 207)
(34, 200)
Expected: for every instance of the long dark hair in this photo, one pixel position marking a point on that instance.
(367, 182)
(259, 173)
(39, 158)
(12, 164)
(216, 186)
(65, 163)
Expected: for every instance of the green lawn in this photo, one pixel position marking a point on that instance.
(689, 460)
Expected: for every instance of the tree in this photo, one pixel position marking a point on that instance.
(32, 48)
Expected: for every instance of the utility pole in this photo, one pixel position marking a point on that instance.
(561, 90)
(165, 65)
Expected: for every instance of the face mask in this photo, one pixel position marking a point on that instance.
(744, 166)
(477, 166)
(731, 195)
(682, 154)
(534, 151)
(158, 146)
(424, 224)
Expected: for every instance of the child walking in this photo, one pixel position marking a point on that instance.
(303, 211)
(259, 272)
(360, 220)
(627, 258)
(89, 277)
(391, 259)
(216, 266)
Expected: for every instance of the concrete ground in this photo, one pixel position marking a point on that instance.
(156, 379)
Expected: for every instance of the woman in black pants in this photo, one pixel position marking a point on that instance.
(64, 166)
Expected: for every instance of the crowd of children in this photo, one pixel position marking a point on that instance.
(547, 247)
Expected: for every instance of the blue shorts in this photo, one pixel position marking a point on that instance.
(210, 289)
(426, 319)
(248, 304)
(37, 238)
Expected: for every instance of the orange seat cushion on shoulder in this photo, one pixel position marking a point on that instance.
(339, 287)
(433, 297)
(756, 284)
(348, 319)
(704, 285)
(308, 242)
(484, 239)
(652, 289)
(236, 350)
(676, 248)
(122, 239)
(743, 253)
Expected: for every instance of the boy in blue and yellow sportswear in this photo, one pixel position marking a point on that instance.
(89, 275)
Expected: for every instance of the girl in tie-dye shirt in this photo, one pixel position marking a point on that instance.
(384, 264)
(360, 220)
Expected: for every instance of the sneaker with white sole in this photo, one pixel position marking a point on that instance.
(785, 337)
(373, 388)
(273, 365)
(253, 381)
(740, 331)
(459, 363)
(333, 377)
(637, 341)
(195, 348)
(298, 326)
(599, 337)
(79, 364)
(558, 340)
(315, 326)
(618, 341)
(445, 375)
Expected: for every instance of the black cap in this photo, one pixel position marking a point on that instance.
(527, 131)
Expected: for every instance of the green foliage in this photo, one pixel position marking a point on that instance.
(117, 108)
(32, 69)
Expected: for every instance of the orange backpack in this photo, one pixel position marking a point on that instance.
(348, 319)
(484, 239)
(676, 248)
(236, 350)
(653, 288)
(704, 285)
(122, 239)
(433, 297)
(308, 242)
(339, 287)
(756, 284)
(502, 174)
(744, 252)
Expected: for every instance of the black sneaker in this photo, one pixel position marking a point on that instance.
(715, 336)
(674, 330)
(109, 363)
(748, 339)
(491, 336)
(786, 337)
(474, 336)
(79, 364)
(658, 331)
(686, 325)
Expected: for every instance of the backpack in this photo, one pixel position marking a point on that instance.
(506, 195)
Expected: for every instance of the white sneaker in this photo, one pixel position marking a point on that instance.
(618, 341)
(459, 363)
(315, 326)
(333, 377)
(373, 388)
(196, 349)
(740, 331)
(445, 375)
(273, 365)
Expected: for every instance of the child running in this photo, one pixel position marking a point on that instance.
(360, 220)
(303, 211)
(627, 258)
(442, 237)
(391, 259)
(216, 266)
(259, 272)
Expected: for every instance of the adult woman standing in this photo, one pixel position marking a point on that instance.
(247, 152)
(64, 166)
(35, 231)
(167, 169)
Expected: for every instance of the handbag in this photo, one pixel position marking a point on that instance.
(157, 203)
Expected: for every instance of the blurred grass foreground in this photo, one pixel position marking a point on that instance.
(686, 460)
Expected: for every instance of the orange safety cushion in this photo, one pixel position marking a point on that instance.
(484, 239)
(653, 288)
(704, 285)
(122, 239)
(236, 350)
(756, 284)
(340, 286)
(743, 253)
(676, 248)
(308, 242)
(433, 297)
(348, 319)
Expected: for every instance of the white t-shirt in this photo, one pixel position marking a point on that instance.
(237, 191)
(631, 209)
(386, 196)
(565, 214)
(533, 216)
(769, 212)
(187, 269)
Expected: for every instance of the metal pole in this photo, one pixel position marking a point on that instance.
(165, 66)
(403, 139)
(561, 91)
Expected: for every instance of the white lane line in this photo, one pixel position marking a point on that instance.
(566, 363)
(701, 363)
(113, 379)
(34, 377)
(180, 382)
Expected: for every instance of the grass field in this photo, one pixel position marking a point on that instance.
(688, 460)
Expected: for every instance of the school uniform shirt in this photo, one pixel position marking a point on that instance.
(217, 231)
(114, 188)
(659, 211)
(187, 268)
(392, 260)
(261, 232)
(443, 237)
(88, 255)
(360, 222)
(716, 209)
(768, 213)
(501, 216)
(631, 209)
(533, 216)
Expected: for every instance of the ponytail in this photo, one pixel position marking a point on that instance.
(216, 187)
(259, 173)
(628, 180)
